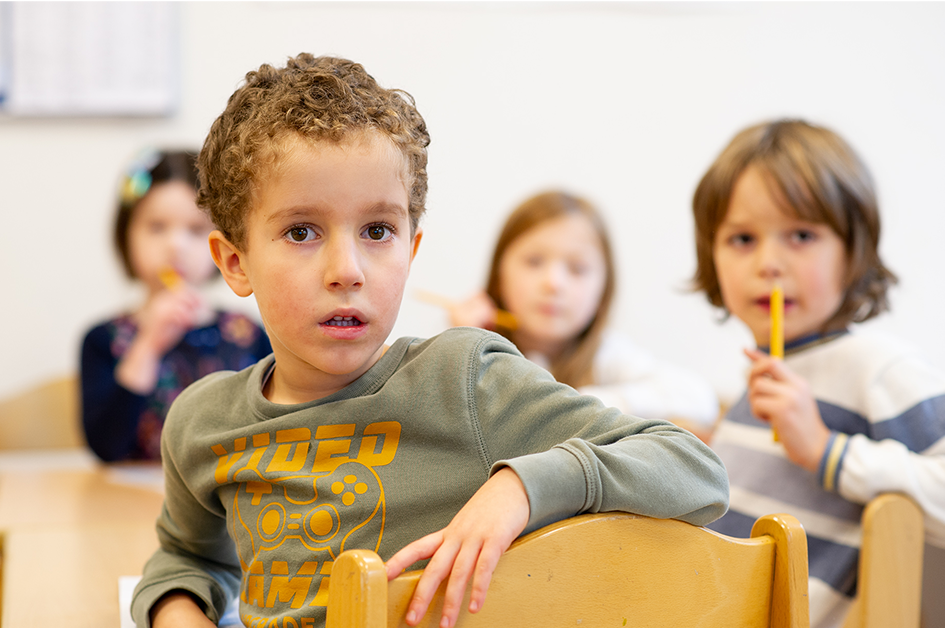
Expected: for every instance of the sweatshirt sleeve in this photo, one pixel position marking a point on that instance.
(904, 450)
(575, 455)
(195, 555)
(871, 467)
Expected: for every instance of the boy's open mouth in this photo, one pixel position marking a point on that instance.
(343, 321)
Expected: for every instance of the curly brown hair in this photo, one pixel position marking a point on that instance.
(821, 179)
(316, 98)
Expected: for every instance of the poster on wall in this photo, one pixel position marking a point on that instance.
(89, 58)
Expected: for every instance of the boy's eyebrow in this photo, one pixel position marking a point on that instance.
(381, 208)
(392, 209)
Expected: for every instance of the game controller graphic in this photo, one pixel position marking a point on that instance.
(318, 511)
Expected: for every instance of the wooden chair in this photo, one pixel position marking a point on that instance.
(44, 417)
(889, 582)
(608, 569)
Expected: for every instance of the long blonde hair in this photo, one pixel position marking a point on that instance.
(574, 365)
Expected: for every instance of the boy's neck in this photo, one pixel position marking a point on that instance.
(283, 388)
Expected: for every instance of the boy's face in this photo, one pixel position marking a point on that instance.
(758, 245)
(327, 254)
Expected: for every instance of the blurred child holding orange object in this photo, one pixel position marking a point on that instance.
(134, 365)
(552, 278)
(857, 413)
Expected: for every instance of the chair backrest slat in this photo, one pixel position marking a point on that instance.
(617, 569)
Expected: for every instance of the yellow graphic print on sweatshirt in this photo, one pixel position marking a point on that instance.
(298, 500)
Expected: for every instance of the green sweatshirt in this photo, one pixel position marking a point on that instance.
(261, 498)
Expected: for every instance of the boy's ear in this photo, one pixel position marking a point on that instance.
(230, 261)
(416, 243)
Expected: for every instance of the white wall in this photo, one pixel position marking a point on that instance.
(624, 103)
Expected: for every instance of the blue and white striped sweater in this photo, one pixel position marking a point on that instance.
(886, 409)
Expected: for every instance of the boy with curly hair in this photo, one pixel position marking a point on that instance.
(443, 449)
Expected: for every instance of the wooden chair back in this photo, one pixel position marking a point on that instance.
(889, 580)
(43, 417)
(607, 569)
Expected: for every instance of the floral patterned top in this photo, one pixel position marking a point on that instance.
(123, 425)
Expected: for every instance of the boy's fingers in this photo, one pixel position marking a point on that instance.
(768, 368)
(768, 399)
(760, 362)
(418, 550)
(485, 567)
(436, 571)
(754, 355)
(456, 587)
(765, 385)
(763, 409)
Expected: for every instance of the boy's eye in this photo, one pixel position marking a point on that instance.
(300, 234)
(378, 232)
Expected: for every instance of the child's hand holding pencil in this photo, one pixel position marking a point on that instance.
(476, 311)
(778, 395)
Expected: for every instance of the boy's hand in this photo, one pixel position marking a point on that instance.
(470, 545)
(782, 398)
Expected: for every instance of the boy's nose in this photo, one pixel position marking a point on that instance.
(343, 267)
(770, 258)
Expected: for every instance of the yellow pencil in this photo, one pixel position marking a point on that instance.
(777, 322)
(170, 277)
(433, 298)
(506, 320)
(776, 348)
(503, 319)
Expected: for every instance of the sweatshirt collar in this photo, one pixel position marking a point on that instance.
(811, 340)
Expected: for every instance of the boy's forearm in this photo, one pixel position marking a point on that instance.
(585, 457)
(178, 609)
(638, 472)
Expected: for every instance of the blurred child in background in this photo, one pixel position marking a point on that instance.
(134, 365)
(857, 414)
(553, 271)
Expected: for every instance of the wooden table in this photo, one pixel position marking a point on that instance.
(70, 528)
